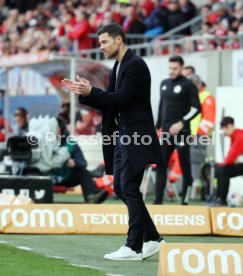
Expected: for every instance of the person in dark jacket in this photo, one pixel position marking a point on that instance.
(156, 21)
(188, 8)
(21, 120)
(132, 24)
(175, 18)
(179, 103)
(127, 114)
(74, 171)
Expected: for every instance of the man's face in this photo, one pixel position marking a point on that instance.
(187, 72)
(175, 70)
(228, 130)
(19, 119)
(109, 46)
(173, 6)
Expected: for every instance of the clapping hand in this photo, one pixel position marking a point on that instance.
(80, 87)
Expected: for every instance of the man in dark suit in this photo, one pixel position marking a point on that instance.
(127, 116)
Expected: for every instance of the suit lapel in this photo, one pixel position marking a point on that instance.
(112, 81)
(124, 61)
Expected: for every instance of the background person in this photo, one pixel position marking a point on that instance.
(233, 162)
(201, 125)
(188, 71)
(73, 172)
(2, 127)
(21, 119)
(179, 104)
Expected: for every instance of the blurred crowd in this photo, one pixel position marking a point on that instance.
(66, 25)
(219, 29)
(223, 21)
(54, 25)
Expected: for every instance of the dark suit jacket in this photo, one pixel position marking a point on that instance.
(130, 96)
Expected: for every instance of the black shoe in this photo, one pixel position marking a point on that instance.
(211, 199)
(157, 202)
(97, 197)
(161, 239)
(218, 202)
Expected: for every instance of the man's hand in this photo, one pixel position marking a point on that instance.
(176, 128)
(80, 87)
(71, 163)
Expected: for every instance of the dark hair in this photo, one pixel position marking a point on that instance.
(61, 125)
(208, 24)
(206, 6)
(65, 117)
(23, 111)
(189, 67)
(114, 30)
(227, 121)
(178, 59)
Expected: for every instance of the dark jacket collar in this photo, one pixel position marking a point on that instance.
(125, 59)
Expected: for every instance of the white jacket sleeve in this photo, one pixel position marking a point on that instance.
(49, 155)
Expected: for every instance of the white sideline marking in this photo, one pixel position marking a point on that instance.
(114, 275)
(24, 248)
(55, 257)
(86, 266)
(2, 242)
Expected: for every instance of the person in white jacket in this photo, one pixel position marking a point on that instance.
(48, 154)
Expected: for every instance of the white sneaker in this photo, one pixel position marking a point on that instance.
(124, 254)
(150, 248)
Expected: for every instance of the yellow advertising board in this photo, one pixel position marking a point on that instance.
(100, 219)
(227, 221)
(200, 259)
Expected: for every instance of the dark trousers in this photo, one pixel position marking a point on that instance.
(81, 176)
(224, 173)
(167, 149)
(126, 187)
